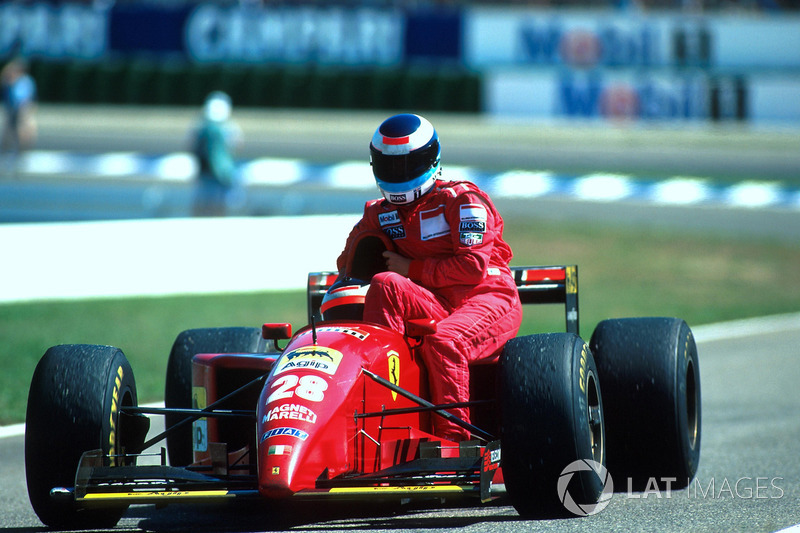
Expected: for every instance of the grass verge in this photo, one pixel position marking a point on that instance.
(622, 272)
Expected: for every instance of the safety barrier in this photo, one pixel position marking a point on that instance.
(172, 82)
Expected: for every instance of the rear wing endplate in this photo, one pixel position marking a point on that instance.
(535, 284)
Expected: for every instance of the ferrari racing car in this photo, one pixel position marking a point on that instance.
(339, 411)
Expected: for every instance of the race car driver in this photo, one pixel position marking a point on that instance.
(449, 262)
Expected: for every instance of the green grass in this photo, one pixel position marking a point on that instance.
(622, 272)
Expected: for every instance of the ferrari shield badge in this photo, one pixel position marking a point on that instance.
(394, 370)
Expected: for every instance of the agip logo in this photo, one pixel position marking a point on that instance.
(311, 357)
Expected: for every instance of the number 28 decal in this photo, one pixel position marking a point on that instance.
(311, 388)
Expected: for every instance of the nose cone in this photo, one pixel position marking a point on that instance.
(279, 451)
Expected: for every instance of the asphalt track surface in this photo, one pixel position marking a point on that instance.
(727, 151)
(749, 476)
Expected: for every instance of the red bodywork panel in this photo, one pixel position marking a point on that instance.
(319, 416)
(307, 428)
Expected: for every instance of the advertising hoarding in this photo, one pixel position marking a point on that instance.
(641, 95)
(526, 37)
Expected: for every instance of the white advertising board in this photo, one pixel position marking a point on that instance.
(655, 95)
(774, 100)
(527, 37)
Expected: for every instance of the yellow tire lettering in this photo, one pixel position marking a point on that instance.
(583, 363)
(112, 418)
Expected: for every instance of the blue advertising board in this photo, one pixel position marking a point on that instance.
(215, 33)
(329, 35)
(141, 28)
(50, 31)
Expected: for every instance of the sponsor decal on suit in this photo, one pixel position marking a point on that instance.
(432, 224)
(471, 239)
(395, 232)
(388, 219)
(474, 226)
(472, 212)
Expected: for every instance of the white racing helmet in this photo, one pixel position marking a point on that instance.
(405, 157)
(344, 300)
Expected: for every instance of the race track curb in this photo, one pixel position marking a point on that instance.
(180, 167)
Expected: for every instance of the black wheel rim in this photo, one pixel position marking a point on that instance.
(595, 419)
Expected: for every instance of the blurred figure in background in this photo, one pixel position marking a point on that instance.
(214, 141)
(19, 103)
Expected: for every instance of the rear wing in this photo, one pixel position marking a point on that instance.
(536, 285)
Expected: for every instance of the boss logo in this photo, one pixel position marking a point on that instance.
(395, 232)
(473, 226)
(397, 198)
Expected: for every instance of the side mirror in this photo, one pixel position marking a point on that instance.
(276, 331)
(420, 327)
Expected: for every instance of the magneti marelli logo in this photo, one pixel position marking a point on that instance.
(584, 509)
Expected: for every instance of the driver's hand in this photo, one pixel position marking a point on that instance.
(397, 263)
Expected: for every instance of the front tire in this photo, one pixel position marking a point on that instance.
(650, 373)
(73, 407)
(552, 415)
(178, 390)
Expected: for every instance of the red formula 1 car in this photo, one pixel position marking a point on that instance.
(340, 412)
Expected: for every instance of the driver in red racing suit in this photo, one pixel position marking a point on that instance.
(449, 263)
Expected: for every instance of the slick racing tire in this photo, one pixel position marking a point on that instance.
(553, 442)
(650, 374)
(74, 407)
(178, 389)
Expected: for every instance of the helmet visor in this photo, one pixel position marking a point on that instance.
(404, 167)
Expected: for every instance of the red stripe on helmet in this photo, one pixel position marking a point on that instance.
(396, 140)
(342, 300)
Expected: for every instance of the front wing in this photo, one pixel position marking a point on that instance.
(97, 485)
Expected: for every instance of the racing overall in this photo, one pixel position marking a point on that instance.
(458, 276)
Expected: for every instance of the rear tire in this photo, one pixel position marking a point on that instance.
(73, 407)
(178, 390)
(552, 416)
(650, 373)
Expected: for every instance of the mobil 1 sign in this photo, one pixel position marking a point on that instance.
(614, 94)
(582, 38)
(603, 38)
